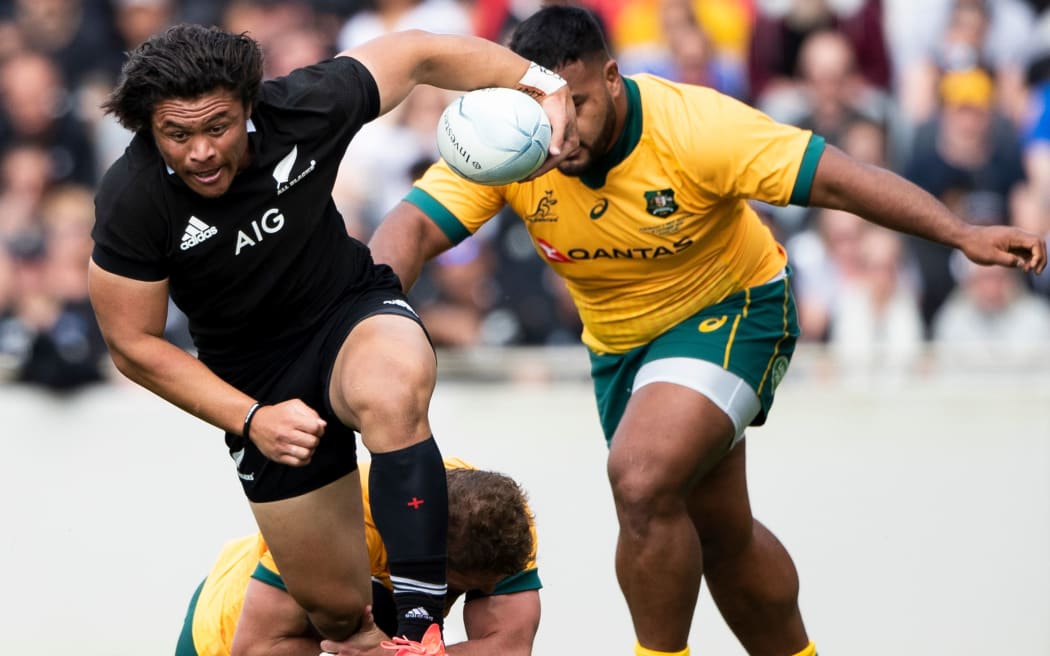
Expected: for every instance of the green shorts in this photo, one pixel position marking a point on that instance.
(185, 646)
(750, 334)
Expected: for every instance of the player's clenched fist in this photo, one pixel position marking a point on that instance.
(287, 432)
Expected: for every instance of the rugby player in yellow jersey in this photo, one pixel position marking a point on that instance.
(686, 306)
(242, 606)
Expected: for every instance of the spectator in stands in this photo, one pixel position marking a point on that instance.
(37, 108)
(78, 36)
(47, 340)
(781, 28)
(990, 316)
(827, 262)
(383, 16)
(25, 175)
(865, 140)
(968, 164)
(875, 325)
(1032, 211)
(294, 48)
(832, 94)
(137, 20)
(953, 35)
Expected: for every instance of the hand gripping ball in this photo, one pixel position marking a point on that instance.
(494, 136)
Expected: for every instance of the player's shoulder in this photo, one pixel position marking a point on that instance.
(664, 89)
(131, 180)
(313, 87)
(677, 101)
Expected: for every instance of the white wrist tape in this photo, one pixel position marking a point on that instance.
(539, 81)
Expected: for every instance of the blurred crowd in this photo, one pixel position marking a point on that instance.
(952, 94)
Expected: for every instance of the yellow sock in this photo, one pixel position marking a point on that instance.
(639, 650)
(810, 650)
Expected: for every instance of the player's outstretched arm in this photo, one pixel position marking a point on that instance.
(401, 60)
(405, 240)
(883, 197)
(503, 624)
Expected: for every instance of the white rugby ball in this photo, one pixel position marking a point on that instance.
(494, 136)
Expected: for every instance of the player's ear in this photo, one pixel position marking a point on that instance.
(611, 75)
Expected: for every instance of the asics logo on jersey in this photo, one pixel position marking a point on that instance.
(270, 223)
(599, 208)
(283, 171)
(196, 232)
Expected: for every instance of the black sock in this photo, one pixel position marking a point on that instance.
(409, 500)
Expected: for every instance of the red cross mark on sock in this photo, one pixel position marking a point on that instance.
(415, 503)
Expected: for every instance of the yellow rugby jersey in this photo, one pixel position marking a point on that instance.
(661, 227)
(222, 595)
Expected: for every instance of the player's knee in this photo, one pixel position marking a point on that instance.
(640, 497)
(400, 394)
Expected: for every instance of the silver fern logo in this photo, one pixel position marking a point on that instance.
(283, 171)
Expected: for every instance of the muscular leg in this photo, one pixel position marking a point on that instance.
(317, 540)
(749, 573)
(381, 384)
(668, 435)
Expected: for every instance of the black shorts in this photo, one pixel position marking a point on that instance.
(304, 372)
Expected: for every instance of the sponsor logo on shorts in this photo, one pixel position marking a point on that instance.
(238, 457)
(779, 369)
(711, 324)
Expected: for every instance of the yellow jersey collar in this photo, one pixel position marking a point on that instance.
(625, 143)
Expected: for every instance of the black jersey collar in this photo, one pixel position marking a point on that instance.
(625, 143)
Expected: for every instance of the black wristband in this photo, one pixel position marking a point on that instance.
(248, 419)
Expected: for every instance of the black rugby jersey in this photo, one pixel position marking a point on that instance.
(269, 258)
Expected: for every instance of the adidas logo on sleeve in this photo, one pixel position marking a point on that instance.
(196, 232)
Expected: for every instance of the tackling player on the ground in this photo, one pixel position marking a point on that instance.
(687, 309)
(223, 199)
(242, 607)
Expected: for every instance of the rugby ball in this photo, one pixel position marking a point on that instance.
(494, 136)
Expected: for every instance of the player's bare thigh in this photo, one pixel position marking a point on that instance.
(683, 416)
(317, 541)
(382, 382)
(668, 437)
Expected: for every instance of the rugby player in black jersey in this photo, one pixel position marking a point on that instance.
(223, 200)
